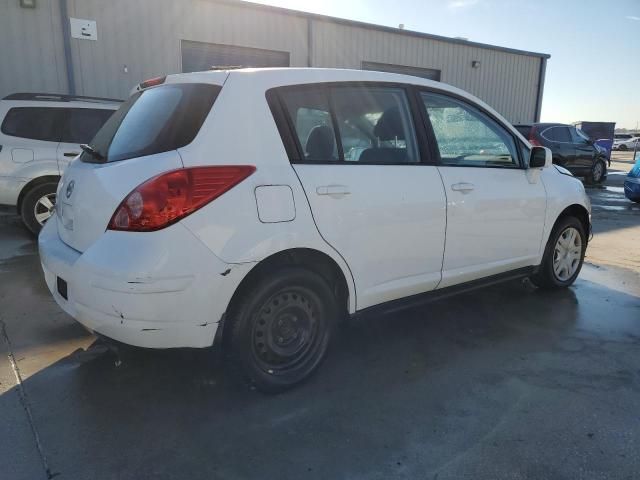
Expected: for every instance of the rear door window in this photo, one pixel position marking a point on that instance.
(153, 121)
(364, 124)
(375, 125)
(35, 123)
(563, 134)
(557, 134)
(308, 109)
(82, 124)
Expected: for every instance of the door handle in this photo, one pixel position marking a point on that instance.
(71, 154)
(333, 190)
(463, 187)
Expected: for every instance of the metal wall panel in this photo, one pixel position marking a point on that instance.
(146, 35)
(428, 73)
(142, 39)
(199, 56)
(31, 53)
(506, 81)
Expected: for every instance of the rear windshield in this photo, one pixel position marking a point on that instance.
(153, 121)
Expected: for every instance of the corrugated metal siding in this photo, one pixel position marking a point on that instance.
(31, 54)
(145, 36)
(506, 81)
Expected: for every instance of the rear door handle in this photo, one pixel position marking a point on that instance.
(334, 190)
(463, 187)
(71, 154)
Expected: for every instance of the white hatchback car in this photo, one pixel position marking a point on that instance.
(40, 133)
(273, 202)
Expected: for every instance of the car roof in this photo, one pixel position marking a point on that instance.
(267, 78)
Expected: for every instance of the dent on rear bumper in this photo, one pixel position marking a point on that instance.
(158, 290)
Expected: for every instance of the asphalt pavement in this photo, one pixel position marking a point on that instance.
(503, 383)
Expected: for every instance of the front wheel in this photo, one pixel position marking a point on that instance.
(37, 206)
(598, 172)
(281, 328)
(563, 256)
(622, 147)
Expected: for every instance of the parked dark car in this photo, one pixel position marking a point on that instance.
(571, 149)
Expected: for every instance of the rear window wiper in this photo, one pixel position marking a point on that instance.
(89, 150)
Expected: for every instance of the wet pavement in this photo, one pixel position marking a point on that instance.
(506, 382)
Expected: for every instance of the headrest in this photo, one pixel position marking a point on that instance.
(389, 126)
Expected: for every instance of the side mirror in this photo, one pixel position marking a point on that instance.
(540, 157)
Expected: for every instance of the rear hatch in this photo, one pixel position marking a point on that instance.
(137, 143)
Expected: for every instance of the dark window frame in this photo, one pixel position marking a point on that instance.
(521, 163)
(59, 111)
(290, 140)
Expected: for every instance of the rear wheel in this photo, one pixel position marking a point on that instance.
(563, 256)
(38, 205)
(281, 328)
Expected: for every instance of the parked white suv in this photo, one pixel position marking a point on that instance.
(273, 202)
(40, 134)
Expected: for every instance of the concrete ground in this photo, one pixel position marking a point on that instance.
(504, 383)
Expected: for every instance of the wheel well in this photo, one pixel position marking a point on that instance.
(34, 183)
(580, 213)
(314, 260)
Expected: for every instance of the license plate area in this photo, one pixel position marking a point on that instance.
(61, 286)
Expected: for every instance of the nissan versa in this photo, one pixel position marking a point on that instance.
(269, 204)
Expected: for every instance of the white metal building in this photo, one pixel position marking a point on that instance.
(103, 48)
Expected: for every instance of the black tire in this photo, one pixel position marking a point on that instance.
(546, 276)
(598, 174)
(281, 327)
(29, 201)
(622, 147)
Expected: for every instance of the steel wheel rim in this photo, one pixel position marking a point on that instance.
(597, 171)
(286, 332)
(43, 208)
(567, 254)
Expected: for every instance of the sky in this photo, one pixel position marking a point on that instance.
(594, 69)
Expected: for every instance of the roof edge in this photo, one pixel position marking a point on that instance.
(381, 28)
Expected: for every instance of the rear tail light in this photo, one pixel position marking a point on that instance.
(167, 198)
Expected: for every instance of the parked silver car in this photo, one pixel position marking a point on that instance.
(40, 134)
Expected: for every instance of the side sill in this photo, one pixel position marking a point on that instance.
(421, 299)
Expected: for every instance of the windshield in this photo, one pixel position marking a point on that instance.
(153, 121)
(582, 134)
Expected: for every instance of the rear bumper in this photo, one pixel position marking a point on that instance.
(156, 290)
